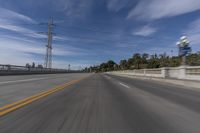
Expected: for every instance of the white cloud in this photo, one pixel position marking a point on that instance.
(116, 5)
(20, 50)
(26, 46)
(145, 31)
(14, 28)
(74, 8)
(193, 33)
(20, 46)
(156, 9)
(8, 15)
(60, 38)
(14, 50)
(17, 51)
(65, 50)
(17, 58)
(21, 30)
(77, 65)
(10, 20)
(16, 38)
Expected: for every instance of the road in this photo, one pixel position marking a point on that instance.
(15, 88)
(109, 104)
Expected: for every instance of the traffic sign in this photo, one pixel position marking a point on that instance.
(184, 50)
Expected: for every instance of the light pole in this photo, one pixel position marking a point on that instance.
(184, 49)
(172, 53)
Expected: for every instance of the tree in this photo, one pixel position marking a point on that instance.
(123, 64)
(164, 60)
(153, 62)
(137, 60)
(110, 64)
(145, 61)
(145, 57)
(103, 67)
(193, 59)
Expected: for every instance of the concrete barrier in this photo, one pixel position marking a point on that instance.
(182, 72)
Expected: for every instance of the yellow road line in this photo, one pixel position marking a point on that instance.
(16, 105)
(18, 102)
(31, 97)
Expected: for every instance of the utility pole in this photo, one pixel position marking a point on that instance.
(48, 56)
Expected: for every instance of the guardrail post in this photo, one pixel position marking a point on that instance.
(144, 72)
(182, 72)
(165, 72)
(9, 67)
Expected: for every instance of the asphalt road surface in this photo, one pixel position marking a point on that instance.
(110, 104)
(15, 88)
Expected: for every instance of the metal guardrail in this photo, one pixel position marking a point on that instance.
(24, 68)
(12, 69)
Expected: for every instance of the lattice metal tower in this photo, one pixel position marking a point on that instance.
(48, 56)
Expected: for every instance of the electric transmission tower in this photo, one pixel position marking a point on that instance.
(48, 55)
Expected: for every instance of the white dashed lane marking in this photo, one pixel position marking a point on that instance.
(124, 85)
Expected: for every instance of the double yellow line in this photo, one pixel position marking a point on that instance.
(16, 105)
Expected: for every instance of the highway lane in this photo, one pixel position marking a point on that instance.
(187, 97)
(15, 88)
(109, 104)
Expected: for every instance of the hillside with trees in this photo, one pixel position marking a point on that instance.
(144, 61)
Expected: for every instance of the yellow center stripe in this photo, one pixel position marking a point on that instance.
(16, 105)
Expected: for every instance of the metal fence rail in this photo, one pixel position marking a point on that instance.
(14, 69)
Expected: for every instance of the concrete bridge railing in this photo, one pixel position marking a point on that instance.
(182, 72)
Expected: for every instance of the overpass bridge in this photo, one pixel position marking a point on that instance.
(96, 103)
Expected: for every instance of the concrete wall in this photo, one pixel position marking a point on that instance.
(182, 72)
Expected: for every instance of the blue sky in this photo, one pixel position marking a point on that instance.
(89, 32)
